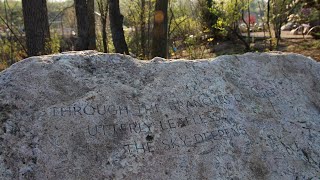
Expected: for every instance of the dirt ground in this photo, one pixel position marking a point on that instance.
(307, 47)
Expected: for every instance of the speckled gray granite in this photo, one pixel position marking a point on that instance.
(89, 115)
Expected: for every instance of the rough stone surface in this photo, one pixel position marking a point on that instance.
(89, 115)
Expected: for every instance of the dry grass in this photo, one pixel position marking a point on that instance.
(307, 47)
(3, 67)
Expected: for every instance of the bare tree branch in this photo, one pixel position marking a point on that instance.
(61, 12)
(14, 34)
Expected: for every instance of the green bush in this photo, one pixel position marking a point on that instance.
(10, 52)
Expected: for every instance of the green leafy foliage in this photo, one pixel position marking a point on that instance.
(100, 43)
(211, 14)
(11, 26)
(55, 43)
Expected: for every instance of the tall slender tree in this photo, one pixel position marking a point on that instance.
(143, 28)
(281, 10)
(116, 21)
(35, 16)
(160, 30)
(103, 6)
(149, 28)
(268, 25)
(85, 24)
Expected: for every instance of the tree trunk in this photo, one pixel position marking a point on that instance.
(277, 33)
(116, 21)
(92, 25)
(104, 37)
(160, 29)
(149, 29)
(85, 24)
(36, 25)
(268, 24)
(247, 44)
(82, 42)
(249, 23)
(143, 28)
(103, 9)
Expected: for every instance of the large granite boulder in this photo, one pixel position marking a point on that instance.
(89, 115)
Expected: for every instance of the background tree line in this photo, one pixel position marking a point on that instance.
(144, 28)
(37, 33)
